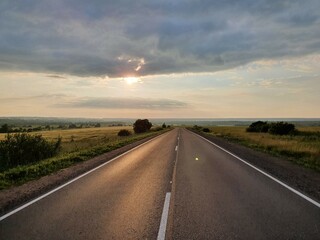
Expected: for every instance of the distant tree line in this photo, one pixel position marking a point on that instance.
(5, 128)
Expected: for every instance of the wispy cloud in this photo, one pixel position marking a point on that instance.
(56, 76)
(123, 103)
(66, 101)
(121, 38)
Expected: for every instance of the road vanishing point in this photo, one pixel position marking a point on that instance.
(175, 186)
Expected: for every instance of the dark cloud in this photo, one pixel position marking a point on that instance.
(123, 103)
(120, 38)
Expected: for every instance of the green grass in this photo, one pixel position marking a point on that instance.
(86, 144)
(302, 148)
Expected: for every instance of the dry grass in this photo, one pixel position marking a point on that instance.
(303, 148)
(79, 139)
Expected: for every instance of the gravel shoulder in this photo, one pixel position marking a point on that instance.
(17, 196)
(302, 179)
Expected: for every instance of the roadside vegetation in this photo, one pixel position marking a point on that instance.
(300, 145)
(28, 156)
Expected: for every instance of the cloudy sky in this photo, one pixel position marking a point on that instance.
(160, 58)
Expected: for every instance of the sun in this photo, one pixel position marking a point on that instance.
(131, 80)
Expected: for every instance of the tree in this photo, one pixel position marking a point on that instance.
(5, 128)
(258, 126)
(281, 128)
(142, 125)
(164, 125)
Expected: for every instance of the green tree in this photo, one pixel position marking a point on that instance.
(281, 128)
(142, 125)
(258, 126)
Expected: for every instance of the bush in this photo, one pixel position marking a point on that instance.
(124, 133)
(196, 127)
(206, 130)
(157, 129)
(258, 126)
(22, 149)
(281, 128)
(142, 125)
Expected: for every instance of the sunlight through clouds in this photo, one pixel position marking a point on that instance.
(249, 59)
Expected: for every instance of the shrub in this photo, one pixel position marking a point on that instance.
(196, 127)
(124, 133)
(142, 125)
(258, 126)
(281, 128)
(22, 149)
(206, 130)
(157, 129)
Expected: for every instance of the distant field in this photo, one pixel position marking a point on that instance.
(78, 139)
(303, 148)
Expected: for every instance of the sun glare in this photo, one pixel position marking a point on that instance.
(131, 80)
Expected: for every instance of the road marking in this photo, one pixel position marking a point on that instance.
(73, 180)
(164, 218)
(165, 211)
(264, 173)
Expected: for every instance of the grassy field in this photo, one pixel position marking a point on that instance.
(77, 145)
(302, 148)
(79, 139)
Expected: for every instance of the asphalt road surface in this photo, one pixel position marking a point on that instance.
(177, 186)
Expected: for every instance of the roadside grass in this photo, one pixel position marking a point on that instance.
(85, 144)
(302, 148)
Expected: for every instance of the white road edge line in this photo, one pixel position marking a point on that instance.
(264, 173)
(164, 218)
(176, 148)
(73, 180)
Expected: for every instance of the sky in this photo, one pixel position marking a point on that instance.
(160, 58)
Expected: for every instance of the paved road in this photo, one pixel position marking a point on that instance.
(213, 196)
(219, 197)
